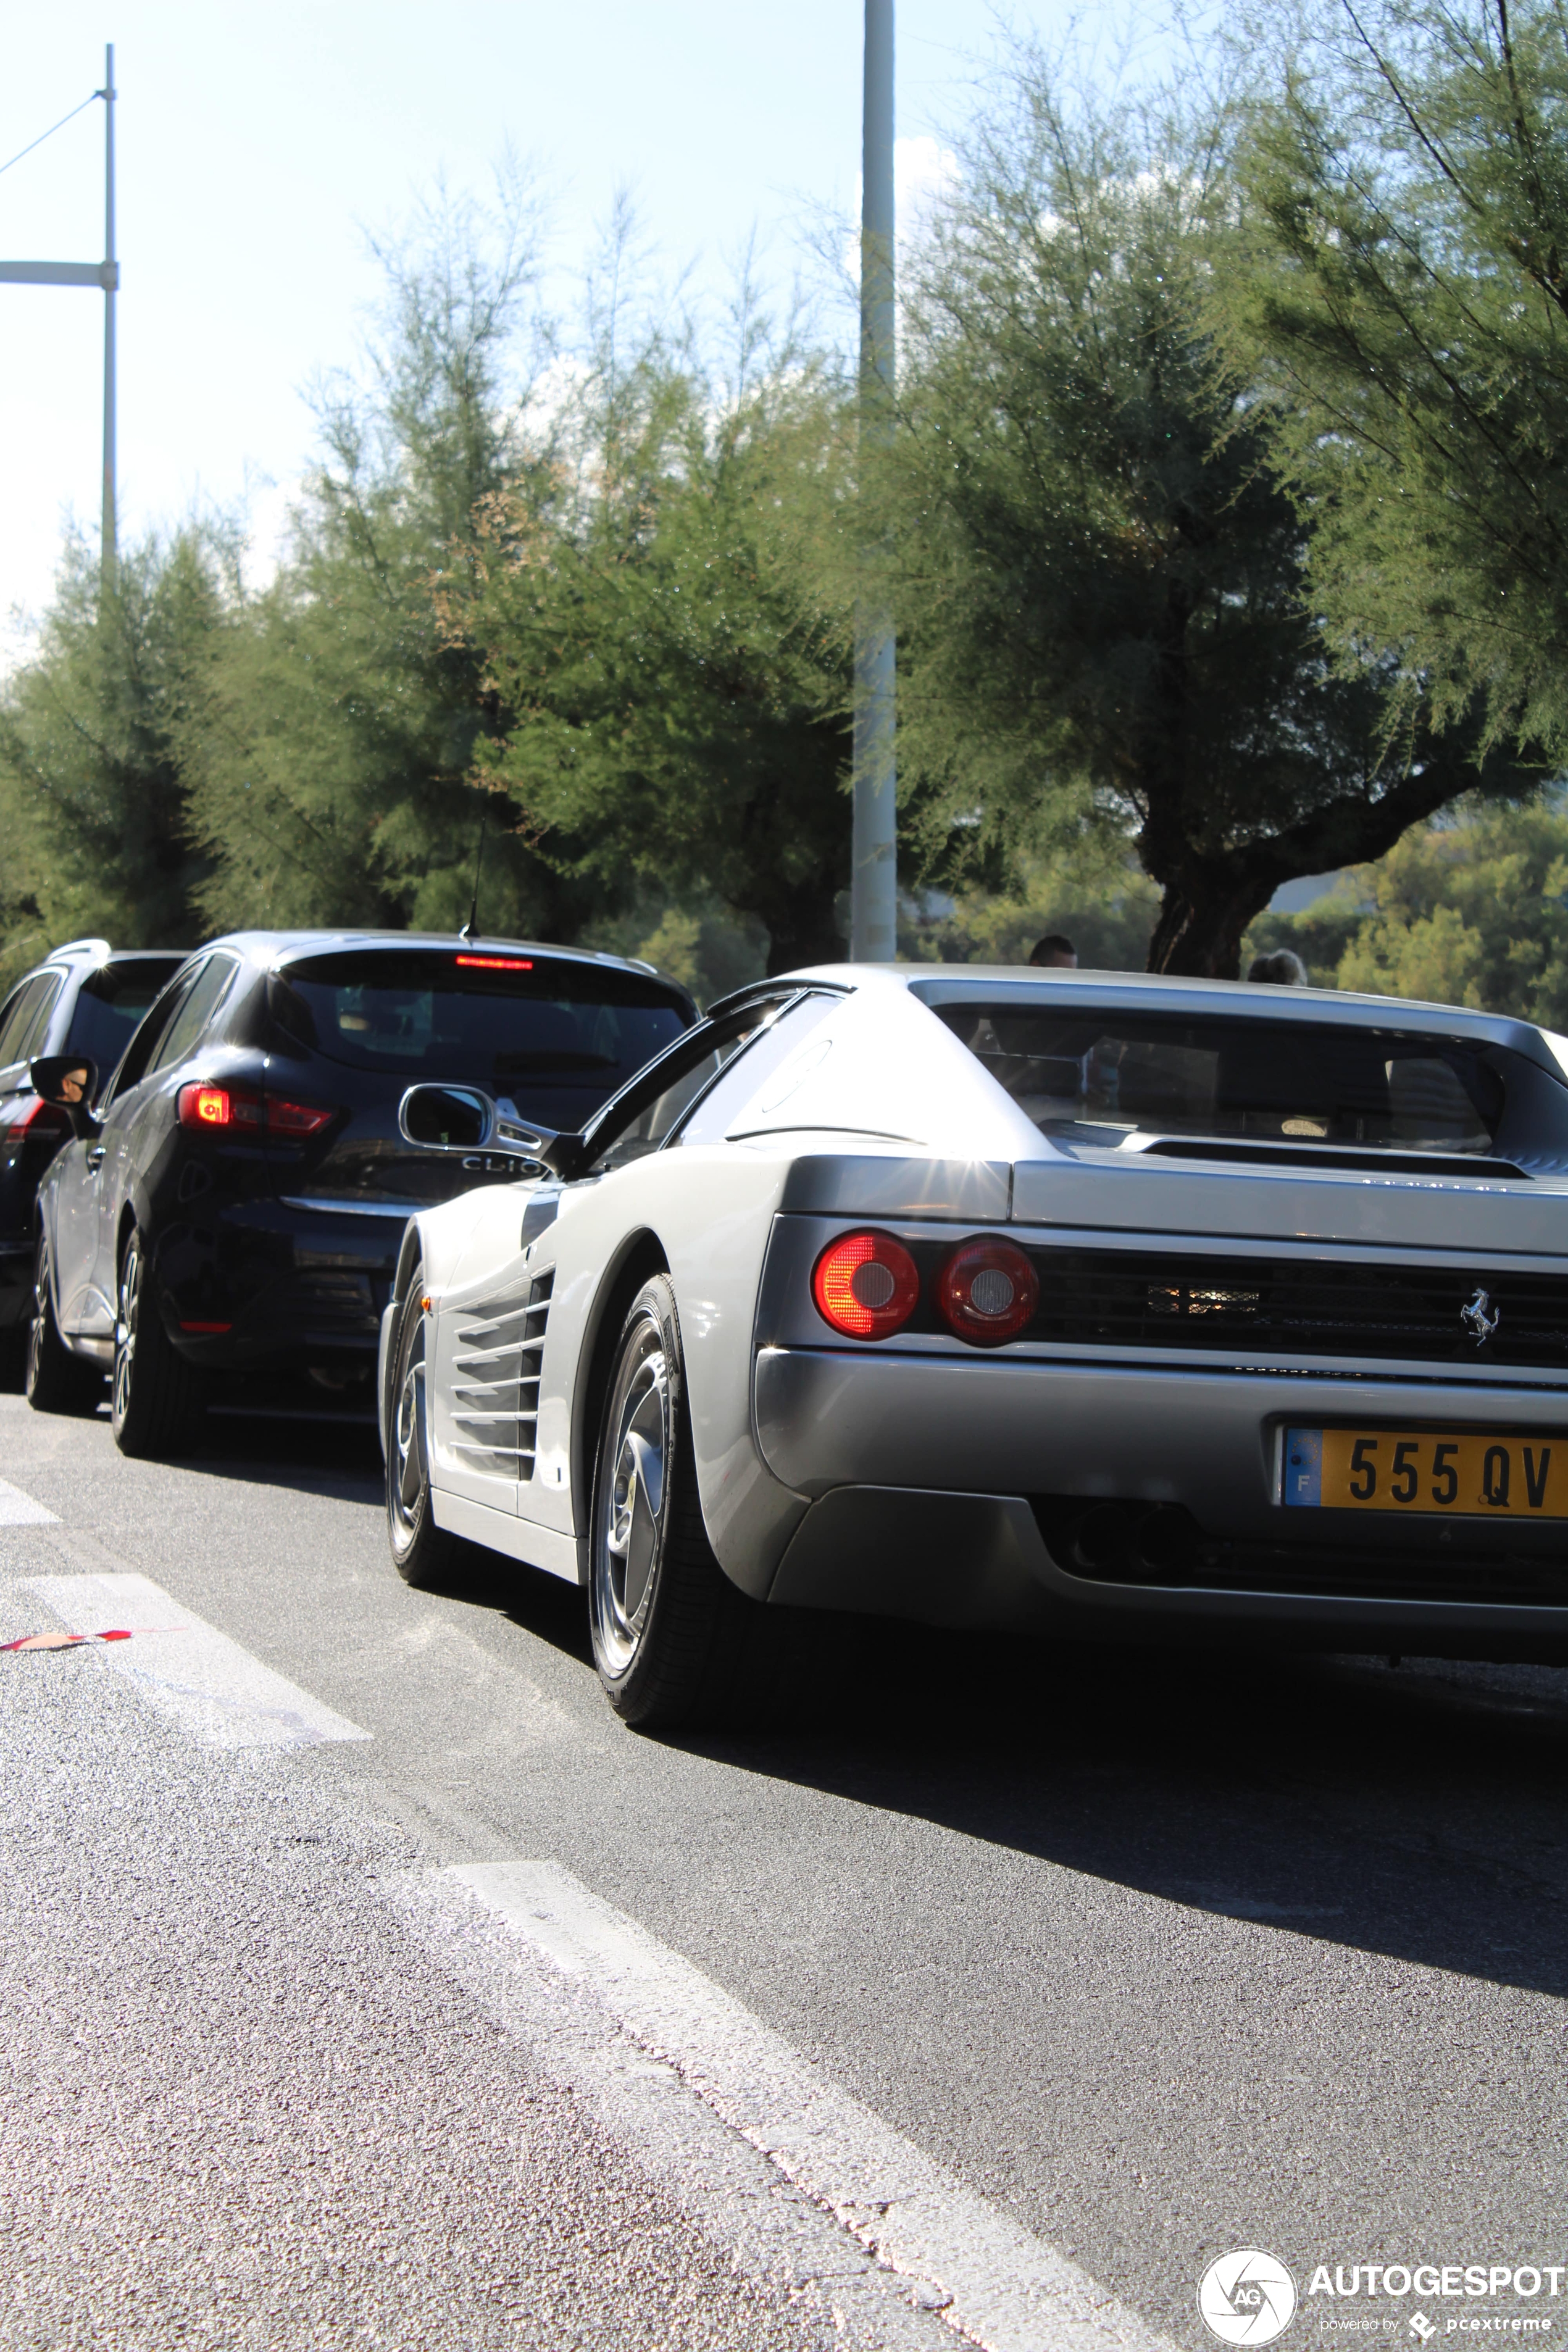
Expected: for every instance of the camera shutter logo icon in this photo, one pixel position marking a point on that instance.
(1247, 2298)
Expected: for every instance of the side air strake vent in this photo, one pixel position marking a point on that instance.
(495, 1388)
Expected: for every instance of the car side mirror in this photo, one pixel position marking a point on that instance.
(68, 1082)
(464, 1120)
(447, 1118)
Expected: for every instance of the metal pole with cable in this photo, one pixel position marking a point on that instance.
(110, 287)
(104, 273)
(874, 892)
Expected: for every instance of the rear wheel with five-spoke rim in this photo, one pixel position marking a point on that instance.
(674, 1640)
(421, 1551)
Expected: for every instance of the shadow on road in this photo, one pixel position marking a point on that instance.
(313, 1455)
(1414, 1812)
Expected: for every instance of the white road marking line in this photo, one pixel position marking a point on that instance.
(1011, 2292)
(767, 2227)
(19, 1510)
(188, 1669)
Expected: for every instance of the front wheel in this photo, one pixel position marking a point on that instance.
(55, 1379)
(422, 1552)
(674, 1640)
(157, 1401)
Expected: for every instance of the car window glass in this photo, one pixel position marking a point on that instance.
(554, 1035)
(145, 1042)
(10, 1021)
(19, 1014)
(684, 1080)
(193, 1015)
(33, 1036)
(113, 1003)
(768, 1064)
(1095, 1076)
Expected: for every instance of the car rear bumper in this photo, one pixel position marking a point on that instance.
(1120, 1498)
(267, 1284)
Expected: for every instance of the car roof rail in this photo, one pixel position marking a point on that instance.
(762, 992)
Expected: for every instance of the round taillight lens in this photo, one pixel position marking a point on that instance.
(987, 1292)
(866, 1284)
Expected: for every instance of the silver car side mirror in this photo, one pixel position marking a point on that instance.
(447, 1118)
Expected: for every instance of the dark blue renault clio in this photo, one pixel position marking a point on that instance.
(234, 1195)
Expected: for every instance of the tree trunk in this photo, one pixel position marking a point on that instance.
(1203, 916)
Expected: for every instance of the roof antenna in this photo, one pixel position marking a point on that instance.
(468, 930)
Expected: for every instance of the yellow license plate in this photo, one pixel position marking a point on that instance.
(1494, 1476)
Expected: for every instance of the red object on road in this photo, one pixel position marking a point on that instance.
(64, 1641)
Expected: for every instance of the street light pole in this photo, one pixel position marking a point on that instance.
(874, 891)
(104, 273)
(111, 286)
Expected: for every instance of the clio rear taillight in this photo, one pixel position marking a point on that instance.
(219, 1107)
(236, 1110)
(294, 1119)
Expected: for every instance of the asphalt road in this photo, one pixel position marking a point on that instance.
(1157, 1956)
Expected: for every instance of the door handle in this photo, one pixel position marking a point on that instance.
(95, 1157)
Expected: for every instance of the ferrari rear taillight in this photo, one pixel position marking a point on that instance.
(986, 1292)
(237, 1110)
(866, 1284)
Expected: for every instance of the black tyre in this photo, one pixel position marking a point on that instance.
(674, 1640)
(422, 1552)
(55, 1379)
(157, 1401)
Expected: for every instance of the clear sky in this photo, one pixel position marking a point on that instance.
(258, 145)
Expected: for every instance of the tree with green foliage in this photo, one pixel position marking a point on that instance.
(1107, 910)
(1468, 913)
(676, 686)
(94, 803)
(329, 758)
(1406, 303)
(1099, 572)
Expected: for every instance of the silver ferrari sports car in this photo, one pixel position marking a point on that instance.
(1083, 1303)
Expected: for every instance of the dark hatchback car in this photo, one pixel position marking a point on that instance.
(232, 1202)
(85, 998)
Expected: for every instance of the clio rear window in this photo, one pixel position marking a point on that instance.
(502, 1020)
